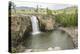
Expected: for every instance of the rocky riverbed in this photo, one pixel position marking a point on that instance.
(73, 32)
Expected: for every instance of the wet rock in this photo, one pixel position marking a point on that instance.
(50, 48)
(28, 50)
(73, 32)
(57, 48)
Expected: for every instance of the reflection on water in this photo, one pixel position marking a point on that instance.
(49, 41)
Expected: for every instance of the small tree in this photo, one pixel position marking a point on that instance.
(49, 12)
(12, 6)
(36, 9)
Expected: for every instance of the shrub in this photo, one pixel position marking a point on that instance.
(67, 19)
(49, 12)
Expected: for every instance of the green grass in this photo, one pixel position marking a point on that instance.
(67, 19)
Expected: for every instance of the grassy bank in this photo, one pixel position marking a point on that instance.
(67, 19)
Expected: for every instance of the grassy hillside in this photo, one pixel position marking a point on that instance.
(67, 16)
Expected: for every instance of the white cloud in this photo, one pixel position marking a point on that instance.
(52, 4)
(53, 1)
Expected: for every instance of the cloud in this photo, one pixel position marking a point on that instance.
(45, 4)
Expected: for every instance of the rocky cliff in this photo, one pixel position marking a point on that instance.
(46, 22)
(19, 24)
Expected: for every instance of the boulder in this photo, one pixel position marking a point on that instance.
(46, 22)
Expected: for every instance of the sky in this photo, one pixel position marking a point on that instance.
(51, 4)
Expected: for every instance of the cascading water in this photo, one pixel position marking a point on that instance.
(35, 26)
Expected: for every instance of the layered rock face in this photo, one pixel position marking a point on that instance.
(49, 24)
(46, 22)
(22, 23)
(19, 24)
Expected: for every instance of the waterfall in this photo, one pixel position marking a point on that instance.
(35, 26)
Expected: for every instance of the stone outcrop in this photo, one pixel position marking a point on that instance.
(49, 24)
(46, 22)
(73, 32)
(19, 24)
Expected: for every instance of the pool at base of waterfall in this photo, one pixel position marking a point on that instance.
(48, 41)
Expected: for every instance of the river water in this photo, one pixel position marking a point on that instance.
(54, 40)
